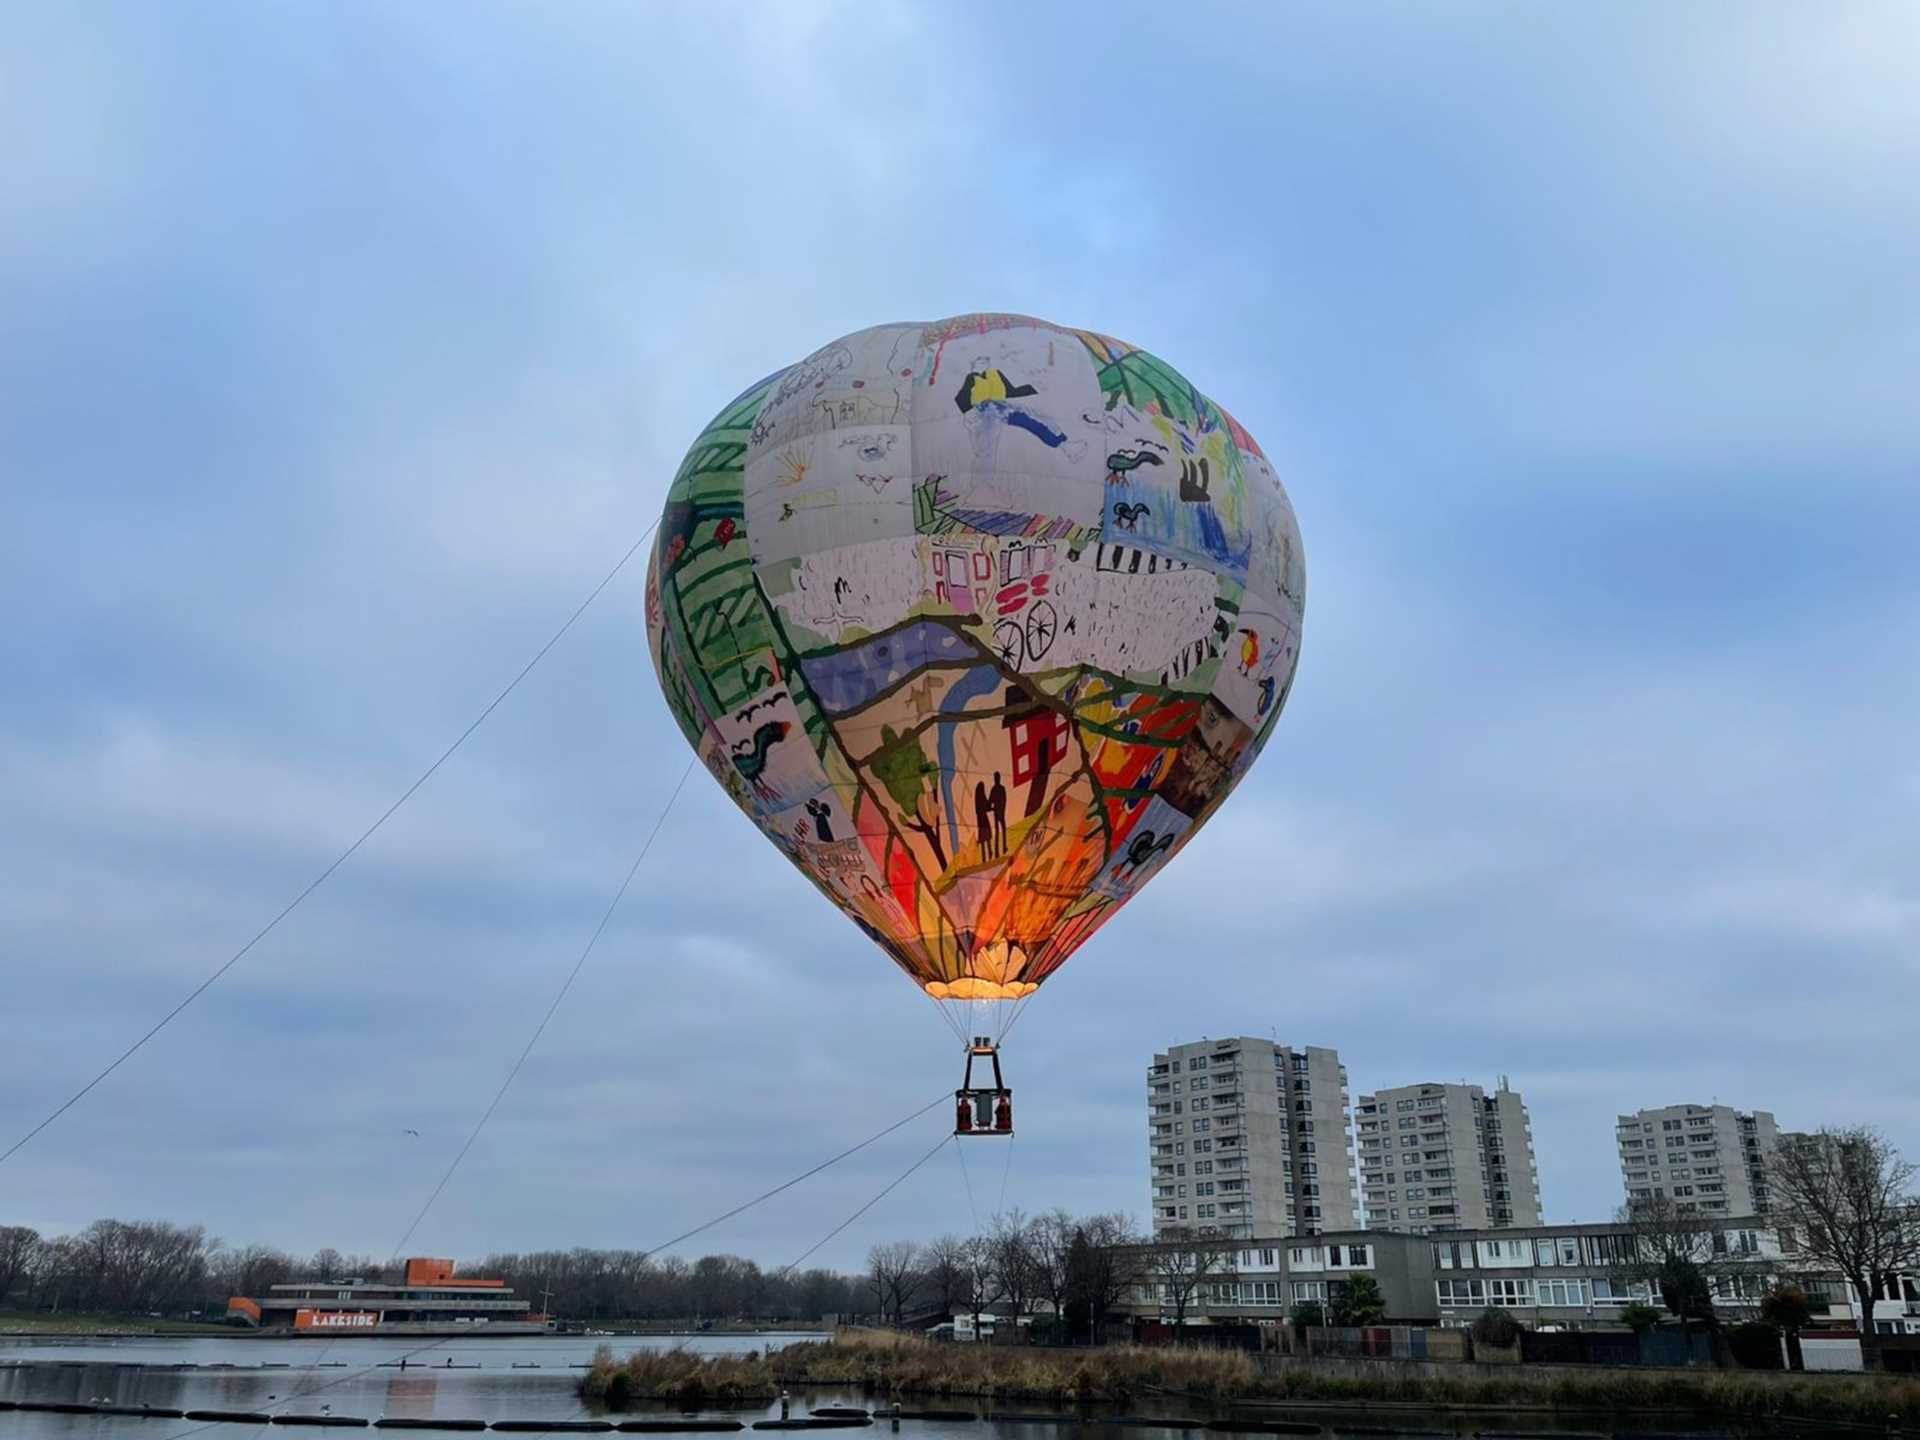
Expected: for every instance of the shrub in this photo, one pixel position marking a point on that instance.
(1497, 1328)
(1638, 1317)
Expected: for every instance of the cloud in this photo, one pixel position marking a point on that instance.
(350, 350)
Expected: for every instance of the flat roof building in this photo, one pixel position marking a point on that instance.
(1570, 1276)
(1706, 1158)
(429, 1299)
(1446, 1157)
(1246, 1136)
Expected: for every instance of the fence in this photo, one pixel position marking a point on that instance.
(1388, 1342)
(1666, 1347)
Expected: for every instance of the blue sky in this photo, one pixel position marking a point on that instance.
(347, 346)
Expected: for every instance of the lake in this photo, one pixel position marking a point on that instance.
(532, 1378)
(528, 1377)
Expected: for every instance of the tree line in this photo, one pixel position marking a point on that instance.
(1081, 1267)
(140, 1267)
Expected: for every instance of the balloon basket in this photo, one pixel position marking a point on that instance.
(983, 1110)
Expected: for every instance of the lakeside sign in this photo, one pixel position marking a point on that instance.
(335, 1319)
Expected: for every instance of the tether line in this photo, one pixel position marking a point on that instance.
(786, 1269)
(338, 861)
(559, 995)
(788, 1185)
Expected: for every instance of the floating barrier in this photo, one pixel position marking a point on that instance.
(428, 1423)
(335, 1422)
(231, 1417)
(541, 1427)
(810, 1422)
(842, 1412)
(674, 1427)
(1138, 1421)
(151, 1412)
(1265, 1427)
(1017, 1417)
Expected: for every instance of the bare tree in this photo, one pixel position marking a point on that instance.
(17, 1247)
(1105, 1264)
(327, 1264)
(1675, 1251)
(251, 1270)
(980, 1277)
(1015, 1267)
(893, 1272)
(1182, 1266)
(1844, 1201)
(1050, 1248)
(943, 1265)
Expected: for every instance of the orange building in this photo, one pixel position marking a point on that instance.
(429, 1299)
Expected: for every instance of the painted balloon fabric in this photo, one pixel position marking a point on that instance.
(979, 621)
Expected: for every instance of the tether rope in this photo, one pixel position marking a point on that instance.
(338, 861)
(960, 1151)
(888, 1189)
(788, 1185)
(606, 917)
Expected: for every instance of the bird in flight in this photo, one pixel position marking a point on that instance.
(414, 1133)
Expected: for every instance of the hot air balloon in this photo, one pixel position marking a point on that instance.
(979, 621)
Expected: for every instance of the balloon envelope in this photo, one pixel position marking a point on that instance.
(979, 621)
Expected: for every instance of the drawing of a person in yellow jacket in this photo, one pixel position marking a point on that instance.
(986, 400)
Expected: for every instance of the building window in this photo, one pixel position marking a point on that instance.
(1556, 1291)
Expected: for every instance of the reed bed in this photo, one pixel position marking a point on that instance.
(886, 1366)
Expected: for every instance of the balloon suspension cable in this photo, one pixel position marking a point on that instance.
(338, 860)
(946, 1015)
(973, 1209)
(886, 1190)
(606, 917)
(1005, 1171)
(943, 1098)
(534, 1039)
(1013, 1016)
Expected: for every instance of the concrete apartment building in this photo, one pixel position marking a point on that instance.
(1446, 1157)
(1247, 1137)
(1710, 1158)
(1569, 1276)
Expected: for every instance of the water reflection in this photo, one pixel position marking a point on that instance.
(525, 1377)
(533, 1378)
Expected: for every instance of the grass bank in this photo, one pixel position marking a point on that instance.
(1126, 1374)
(26, 1322)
